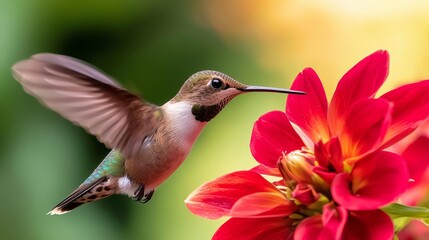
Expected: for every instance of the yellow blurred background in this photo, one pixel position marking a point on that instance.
(151, 47)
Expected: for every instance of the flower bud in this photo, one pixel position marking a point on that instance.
(305, 193)
(298, 166)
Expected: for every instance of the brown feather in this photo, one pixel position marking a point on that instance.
(88, 98)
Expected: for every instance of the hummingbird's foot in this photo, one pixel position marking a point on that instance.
(140, 195)
(147, 196)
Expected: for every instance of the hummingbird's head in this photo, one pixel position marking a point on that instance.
(209, 91)
(209, 88)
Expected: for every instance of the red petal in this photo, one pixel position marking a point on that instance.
(368, 225)
(255, 228)
(411, 108)
(375, 180)
(416, 157)
(365, 127)
(325, 174)
(215, 199)
(312, 229)
(360, 82)
(417, 194)
(413, 231)
(262, 169)
(334, 219)
(263, 204)
(309, 112)
(272, 136)
(329, 154)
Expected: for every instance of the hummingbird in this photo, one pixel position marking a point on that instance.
(148, 142)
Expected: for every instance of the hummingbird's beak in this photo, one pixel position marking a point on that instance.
(270, 89)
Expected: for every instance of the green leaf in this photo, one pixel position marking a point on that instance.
(401, 214)
(396, 210)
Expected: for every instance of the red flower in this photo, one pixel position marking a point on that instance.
(336, 171)
(355, 126)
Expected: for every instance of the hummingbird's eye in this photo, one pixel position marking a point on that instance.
(216, 83)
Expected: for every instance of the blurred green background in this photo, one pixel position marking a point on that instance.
(151, 47)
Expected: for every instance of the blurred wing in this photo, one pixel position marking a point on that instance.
(88, 98)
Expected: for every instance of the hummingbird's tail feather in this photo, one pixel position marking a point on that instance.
(85, 193)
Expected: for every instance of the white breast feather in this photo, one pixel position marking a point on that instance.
(183, 123)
